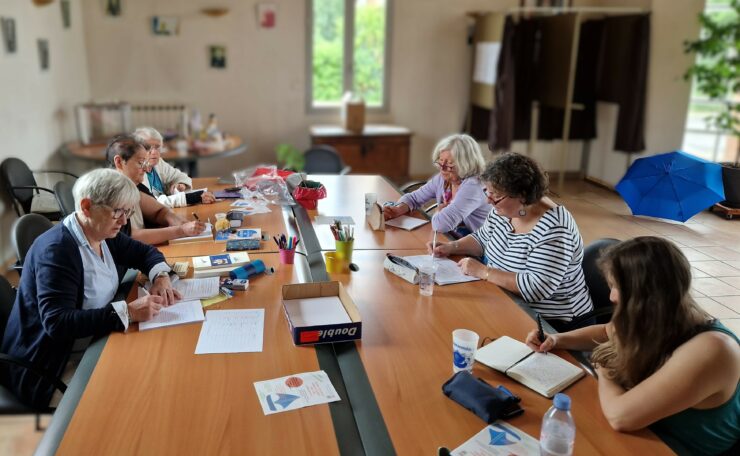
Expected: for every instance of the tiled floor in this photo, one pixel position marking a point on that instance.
(711, 243)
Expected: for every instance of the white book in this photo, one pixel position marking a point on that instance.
(405, 222)
(206, 235)
(176, 314)
(448, 271)
(222, 260)
(547, 374)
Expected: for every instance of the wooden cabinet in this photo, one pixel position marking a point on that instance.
(379, 149)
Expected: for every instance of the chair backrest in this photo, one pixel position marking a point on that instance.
(595, 280)
(64, 196)
(15, 173)
(7, 298)
(322, 159)
(25, 230)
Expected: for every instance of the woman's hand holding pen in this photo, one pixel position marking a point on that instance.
(533, 341)
(192, 228)
(145, 308)
(391, 212)
(162, 287)
(442, 250)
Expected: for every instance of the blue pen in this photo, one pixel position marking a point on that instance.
(227, 292)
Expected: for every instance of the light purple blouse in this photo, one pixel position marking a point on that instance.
(469, 206)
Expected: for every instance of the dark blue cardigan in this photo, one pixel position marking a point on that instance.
(47, 315)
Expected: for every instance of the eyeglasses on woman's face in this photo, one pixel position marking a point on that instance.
(444, 165)
(118, 212)
(493, 197)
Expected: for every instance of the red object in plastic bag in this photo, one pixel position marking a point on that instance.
(309, 197)
(261, 171)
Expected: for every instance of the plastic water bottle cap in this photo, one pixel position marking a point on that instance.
(561, 401)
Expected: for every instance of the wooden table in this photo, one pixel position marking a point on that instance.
(95, 153)
(345, 196)
(271, 223)
(406, 349)
(149, 393)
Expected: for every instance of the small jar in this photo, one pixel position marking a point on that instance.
(222, 224)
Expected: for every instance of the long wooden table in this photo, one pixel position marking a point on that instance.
(149, 393)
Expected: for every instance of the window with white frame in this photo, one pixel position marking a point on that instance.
(348, 48)
(700, 137)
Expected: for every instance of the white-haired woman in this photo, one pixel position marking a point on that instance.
(456, 188)
(166, 183)
(70, 277)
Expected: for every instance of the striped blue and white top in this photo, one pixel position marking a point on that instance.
(546, 260)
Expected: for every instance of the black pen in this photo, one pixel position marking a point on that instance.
(195, 216)
(540, 333)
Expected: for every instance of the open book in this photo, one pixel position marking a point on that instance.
(546, 374)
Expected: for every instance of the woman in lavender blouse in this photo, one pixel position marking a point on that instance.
(456, 188)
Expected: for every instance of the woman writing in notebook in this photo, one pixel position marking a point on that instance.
(661, 361)
(462, 207)
(70, 277)
(530, 245)
(151, 222)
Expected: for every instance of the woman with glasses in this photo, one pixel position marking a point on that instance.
(530, 245)
(151, 222)
(70, 277)
(166, 183)
(456, 188)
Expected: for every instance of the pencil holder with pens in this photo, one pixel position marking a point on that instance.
(287, 256)
(344, 251)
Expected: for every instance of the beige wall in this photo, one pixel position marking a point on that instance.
(35, 105)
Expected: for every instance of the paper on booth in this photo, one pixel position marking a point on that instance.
(231, 331)
(295, 391)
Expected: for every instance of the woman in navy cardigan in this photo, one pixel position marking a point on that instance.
(69, 278)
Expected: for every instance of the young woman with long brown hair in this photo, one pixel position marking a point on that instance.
(661, 361)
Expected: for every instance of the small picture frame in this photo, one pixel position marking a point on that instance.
(7, 24)
(113, 7)
(217, 55)
(266, 15)
(43, 47)
(66, 16)
(165, 26)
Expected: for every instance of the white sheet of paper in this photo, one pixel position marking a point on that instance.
(316, 311)
(486, 62)
(176, 314)
(231, 331)
(207, 234)
(295, 391)
(329, 219)
(499, 438)
(197, 288)
(406, 222)
(502, 353)
(448, 271)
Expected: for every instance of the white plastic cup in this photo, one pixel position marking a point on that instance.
(426, 278)
(464, 345)
(370, 199)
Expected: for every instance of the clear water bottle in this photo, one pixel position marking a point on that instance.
(558, 429)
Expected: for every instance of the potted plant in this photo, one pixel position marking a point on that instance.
(717, 74)
(288, 157)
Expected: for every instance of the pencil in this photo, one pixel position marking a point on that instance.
(195, 216)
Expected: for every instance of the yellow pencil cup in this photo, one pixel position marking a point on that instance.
(344, 251)
(333, 264)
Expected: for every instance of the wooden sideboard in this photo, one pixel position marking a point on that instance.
(379, 149)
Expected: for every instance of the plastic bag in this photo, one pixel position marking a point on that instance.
(308, 194)
(266, 180)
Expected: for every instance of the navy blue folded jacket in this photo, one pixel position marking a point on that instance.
(47, 315)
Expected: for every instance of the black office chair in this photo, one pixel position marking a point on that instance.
(25, 230)
(597, 287)
(64, 196)
(9, 403)
(324, 159)
(21, 186)
(413, 186)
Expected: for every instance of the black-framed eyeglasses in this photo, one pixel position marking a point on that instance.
(443, 166)
(493, 201)
(118, 212)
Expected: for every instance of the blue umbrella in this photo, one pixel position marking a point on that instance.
(674, 185)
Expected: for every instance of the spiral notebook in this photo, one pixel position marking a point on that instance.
(546, 374)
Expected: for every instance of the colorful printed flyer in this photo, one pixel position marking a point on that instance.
(499, 438)
(295, 391)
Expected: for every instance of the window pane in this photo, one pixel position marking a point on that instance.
(369, 51)
(328, 50)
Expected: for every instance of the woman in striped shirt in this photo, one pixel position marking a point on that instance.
(530, 245)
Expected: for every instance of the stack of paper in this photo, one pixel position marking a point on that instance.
(197, 288)
(231, 331)
(176, 314)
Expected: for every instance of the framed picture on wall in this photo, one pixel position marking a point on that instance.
(266, 15)
(7, 24)
(43, 45)
(113, 7)
(217, 56)
(165, 26)
(66, 19)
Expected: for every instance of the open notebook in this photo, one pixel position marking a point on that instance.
(546, 374)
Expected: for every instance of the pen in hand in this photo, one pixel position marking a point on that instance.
(540, 332)
(195, 216)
